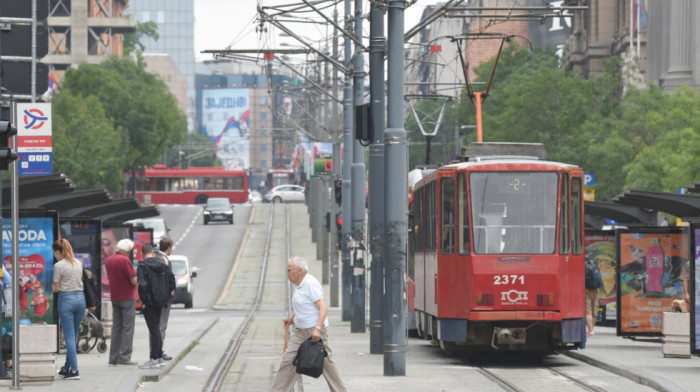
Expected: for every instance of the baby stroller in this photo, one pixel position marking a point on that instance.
(91, 332)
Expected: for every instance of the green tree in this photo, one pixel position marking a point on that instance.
(132, 42)
(138, 104)
(84, 142)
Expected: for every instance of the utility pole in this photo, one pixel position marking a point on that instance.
(395, 202)
(376, 181)
(337, 135)
(348, 142)
(358, 185)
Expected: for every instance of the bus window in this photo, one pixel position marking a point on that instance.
(463, 215)
(447, 214)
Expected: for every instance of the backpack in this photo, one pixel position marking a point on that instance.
(309, 358)
(593, 278)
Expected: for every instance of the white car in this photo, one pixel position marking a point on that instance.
(285, 194)
(184, 286)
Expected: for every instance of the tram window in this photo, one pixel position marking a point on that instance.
(576, 240)
(564, 243)
(513, 212)
(463, 215)
(447, 214)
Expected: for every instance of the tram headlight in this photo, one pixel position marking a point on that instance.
(484, 299)
(545, 299)
(206, 212)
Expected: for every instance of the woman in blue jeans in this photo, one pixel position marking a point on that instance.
(68, 282)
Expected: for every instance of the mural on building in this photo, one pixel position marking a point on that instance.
(225, 120)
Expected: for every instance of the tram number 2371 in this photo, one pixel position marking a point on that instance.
(508, 279)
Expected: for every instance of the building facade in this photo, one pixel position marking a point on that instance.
(85, 31)
(175, 22)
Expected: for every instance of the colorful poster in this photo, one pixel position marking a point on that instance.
(695, 288)
(35, 269)
(225, 120)
(111, 234)
(141, 236)
(322, 154)
(85, 237)
(649, 277)
(600, 247)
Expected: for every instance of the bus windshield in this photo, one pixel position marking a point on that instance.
(513, 212)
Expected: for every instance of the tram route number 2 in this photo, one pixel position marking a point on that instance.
(508, 279)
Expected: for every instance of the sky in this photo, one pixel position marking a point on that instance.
(220, 23)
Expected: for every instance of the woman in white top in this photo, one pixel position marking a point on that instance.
(68, 282)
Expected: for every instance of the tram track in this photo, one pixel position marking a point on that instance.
(512, 379)
(219, 376)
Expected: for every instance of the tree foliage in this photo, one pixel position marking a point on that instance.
(135, 105)
(132, 42)
(629, 138)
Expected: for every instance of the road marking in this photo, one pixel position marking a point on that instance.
(182, 237)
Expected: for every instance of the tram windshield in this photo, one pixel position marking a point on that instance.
(513, 212)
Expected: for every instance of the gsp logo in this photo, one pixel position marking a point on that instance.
(514, 297)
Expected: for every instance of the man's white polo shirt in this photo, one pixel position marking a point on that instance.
(308, 292)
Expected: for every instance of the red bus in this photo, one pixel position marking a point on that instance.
(496, 253)
(167, 185)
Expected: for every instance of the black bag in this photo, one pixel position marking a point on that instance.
(309, 358)
(92, 299)
(593, 278)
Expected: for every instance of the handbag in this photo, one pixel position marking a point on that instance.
(309, 358)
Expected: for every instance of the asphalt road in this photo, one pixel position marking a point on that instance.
(211, 249)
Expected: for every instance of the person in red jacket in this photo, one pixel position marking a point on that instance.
(122, 287)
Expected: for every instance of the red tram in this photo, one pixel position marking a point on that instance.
(496, 256)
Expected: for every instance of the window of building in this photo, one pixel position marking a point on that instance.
(263, 116)
(263, 147)
(263, 163)
(263, 100)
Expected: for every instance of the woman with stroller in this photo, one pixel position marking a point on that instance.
(68, 282)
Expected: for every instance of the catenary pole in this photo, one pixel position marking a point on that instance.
(358, 180)
(396, 208)
(376, 181)
(348, 147)
(337, 136)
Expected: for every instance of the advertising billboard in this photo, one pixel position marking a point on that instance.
(225, 120)
(85, 237)
(111, 234)
(600, 248)
(694, 288)
(648, 281)
(37, 231)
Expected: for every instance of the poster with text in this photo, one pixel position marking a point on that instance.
(36, 233)
(649, 277)
(225, 120)
(85, 237)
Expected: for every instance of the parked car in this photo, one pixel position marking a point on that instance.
(160, 228)
(285, 194)
(218, 209)
(184, 286)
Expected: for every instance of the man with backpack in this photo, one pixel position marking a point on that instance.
(155, 283)
(594, 281)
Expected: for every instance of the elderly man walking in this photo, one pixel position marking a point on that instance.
(123, 283)
(309, 320)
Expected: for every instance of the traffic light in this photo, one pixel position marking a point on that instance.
(7, 130)
(338, 186)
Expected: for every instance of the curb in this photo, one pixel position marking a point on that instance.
(657, 383)
(193, 338)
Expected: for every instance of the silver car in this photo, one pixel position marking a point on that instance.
(184, 286)
(285, 194)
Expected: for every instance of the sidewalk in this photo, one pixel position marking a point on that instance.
(426, 368)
